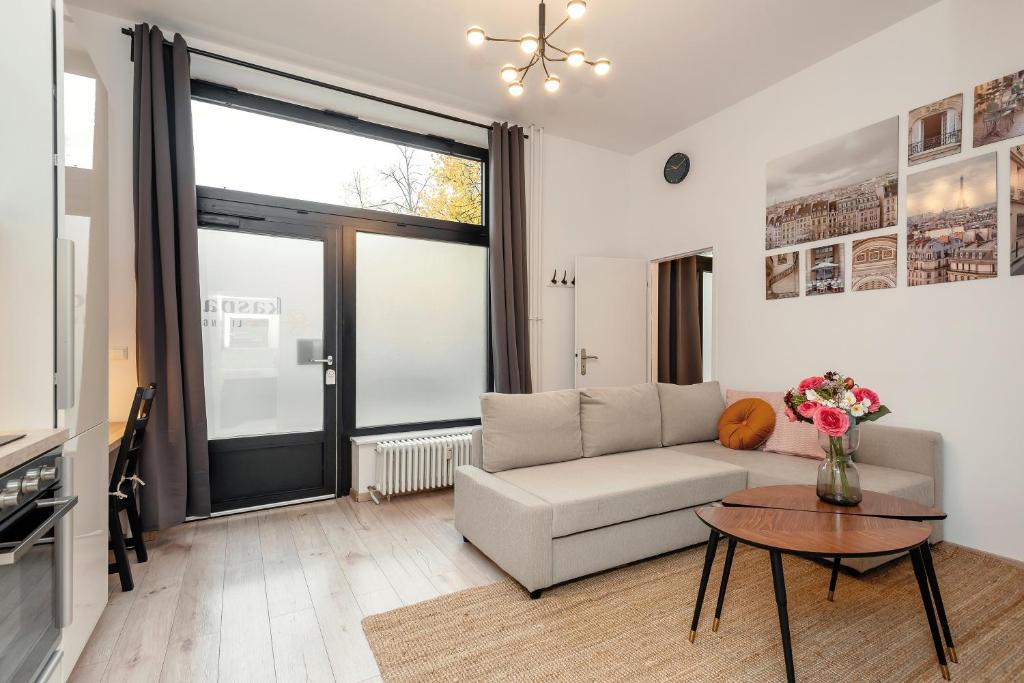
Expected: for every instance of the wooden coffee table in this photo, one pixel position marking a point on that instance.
(804, 497)
(791, 519)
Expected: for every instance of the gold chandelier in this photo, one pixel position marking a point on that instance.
(537, 46)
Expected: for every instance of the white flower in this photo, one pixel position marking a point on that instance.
(849, 399)
(866, 403)
(812, 395)
(858, 409)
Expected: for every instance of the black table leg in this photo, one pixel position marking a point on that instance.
(832, 582)
(709, 559)
(725, 582)
(780, 599)
(929, 611)
(933, 583)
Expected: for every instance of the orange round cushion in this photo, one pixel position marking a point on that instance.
(746, 424)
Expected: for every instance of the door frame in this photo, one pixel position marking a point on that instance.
(238, 210)
(254, 225)
(652, 309)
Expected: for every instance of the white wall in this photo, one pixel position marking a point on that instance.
(943, 357)
(584, 214)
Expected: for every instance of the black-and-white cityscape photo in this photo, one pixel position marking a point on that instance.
(845, 185)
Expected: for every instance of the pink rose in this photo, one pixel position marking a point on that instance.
(860, 393)
(808, 408)
(810, 383)
(790, 415)
(831, 421)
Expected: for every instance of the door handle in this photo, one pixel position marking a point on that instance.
(583, 360)
(329, 361)
(64, 378)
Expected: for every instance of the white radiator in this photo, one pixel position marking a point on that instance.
(429, 462)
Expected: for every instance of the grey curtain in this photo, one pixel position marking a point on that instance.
(175, 459)
(509, 312)
(679, 322)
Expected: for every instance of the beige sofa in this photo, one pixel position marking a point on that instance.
(568, 483)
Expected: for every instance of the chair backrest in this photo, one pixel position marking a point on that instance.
(127, 464)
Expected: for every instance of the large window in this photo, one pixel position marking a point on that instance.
(421, 330)
(253, 152)
(405, 240)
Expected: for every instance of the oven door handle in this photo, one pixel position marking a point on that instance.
(61, 507)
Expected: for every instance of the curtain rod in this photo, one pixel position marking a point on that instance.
(310, 81)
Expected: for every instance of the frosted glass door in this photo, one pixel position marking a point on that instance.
(263, 322)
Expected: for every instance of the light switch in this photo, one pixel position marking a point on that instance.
(118, 353)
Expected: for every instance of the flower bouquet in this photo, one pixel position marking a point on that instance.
(835, 405)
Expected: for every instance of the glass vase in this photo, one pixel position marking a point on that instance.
(838, 478)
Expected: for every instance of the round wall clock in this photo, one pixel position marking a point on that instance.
(676, 168)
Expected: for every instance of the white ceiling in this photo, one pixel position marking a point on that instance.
(675, 62)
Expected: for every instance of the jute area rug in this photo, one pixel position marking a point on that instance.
(631, 624)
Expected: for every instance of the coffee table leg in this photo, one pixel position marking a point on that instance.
(929, 611)
(780, 599)
(832, 582)
(933, 583)
(725, 582)
(709, 559)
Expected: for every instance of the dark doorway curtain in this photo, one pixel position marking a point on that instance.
(680, 360)
(509, 310)
(175, 460)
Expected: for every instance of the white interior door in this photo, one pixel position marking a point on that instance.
(611, 321)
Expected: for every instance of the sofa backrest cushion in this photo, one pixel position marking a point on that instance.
(619, 419)
(522, 430)
(689, 413)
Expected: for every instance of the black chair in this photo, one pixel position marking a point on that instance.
(124, 484)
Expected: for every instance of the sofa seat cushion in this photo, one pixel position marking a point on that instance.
(770, 469)
(596, 492)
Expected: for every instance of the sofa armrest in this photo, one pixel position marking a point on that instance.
(509, 525)
(476, 452)
(901, 448)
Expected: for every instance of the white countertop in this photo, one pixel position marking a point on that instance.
(35, 442)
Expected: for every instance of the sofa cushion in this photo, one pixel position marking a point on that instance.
(746, 424)
(769, 469)
(690, 412)
(521, 430)
(618, 419)
(597, 492)
(792, 438)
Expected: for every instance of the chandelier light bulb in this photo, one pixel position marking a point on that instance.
(575, 57)
(552, 83)
(602, 66)
(529, 43)
(509, 73)
(576, 8)
(475, 35)
(515, 89)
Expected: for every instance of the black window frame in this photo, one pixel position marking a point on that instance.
(239, 210)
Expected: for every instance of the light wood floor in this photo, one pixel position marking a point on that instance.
(279, 594)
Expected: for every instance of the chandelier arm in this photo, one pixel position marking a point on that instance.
(501, 40)
(526, 68)
(543, 64)
(555, 29)
(557, 59)
(555, 47)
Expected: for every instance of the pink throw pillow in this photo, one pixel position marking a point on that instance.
(791, 438)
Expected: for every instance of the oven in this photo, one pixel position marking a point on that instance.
(35, 567)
